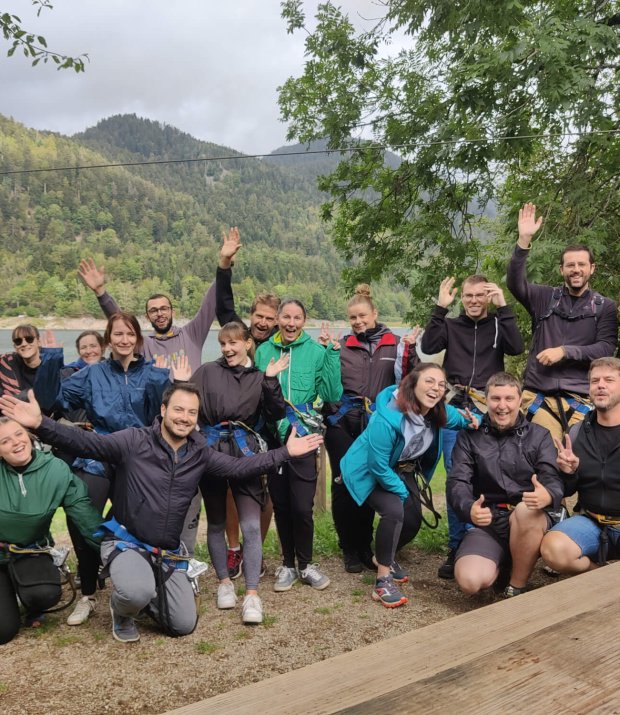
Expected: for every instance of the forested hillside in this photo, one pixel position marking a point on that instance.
(157, 227)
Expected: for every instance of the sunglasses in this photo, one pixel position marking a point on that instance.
(27, 338)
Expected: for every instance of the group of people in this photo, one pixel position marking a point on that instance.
(156, 433)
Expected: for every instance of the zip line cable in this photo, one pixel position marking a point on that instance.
(371, 147)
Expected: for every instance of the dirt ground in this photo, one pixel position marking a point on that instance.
(74, 670)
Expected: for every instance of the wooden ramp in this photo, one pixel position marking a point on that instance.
(553, 650)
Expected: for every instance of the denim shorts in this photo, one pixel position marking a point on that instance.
(585, 532)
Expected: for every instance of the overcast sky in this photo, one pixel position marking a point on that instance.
(208, 67)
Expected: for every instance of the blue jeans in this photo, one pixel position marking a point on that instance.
(586, 533)
(456, 528)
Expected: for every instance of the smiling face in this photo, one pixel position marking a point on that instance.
(160, 314)
(27, 346)
(123, 340)
(577, 270)
(262, 321)
(179, 417)
(234, 349)
(430, 389)
(503, 403)
(475, 300)
(605, 388)
(15, 444)
(362, 317)
(291, 321)
(89, 349)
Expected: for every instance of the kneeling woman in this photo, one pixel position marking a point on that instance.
(234, 398)
(404, 428)
(33, 485)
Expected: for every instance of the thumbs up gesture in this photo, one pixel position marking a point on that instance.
(480, 515)
(539, 498)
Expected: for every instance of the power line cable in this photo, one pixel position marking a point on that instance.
(366, 147)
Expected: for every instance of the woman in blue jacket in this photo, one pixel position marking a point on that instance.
(405, 428)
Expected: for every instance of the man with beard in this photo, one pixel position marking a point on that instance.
(503, 479)
(572, 325)
(158, 470)
(590, 461)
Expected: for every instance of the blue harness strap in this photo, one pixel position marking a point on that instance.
(571, 401)
(294, 414)
(538, 400)
(578, 406)
(127, 541)
(235, 430)
(348, 403)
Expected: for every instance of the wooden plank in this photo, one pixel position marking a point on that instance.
(353, 678)
(320, 499)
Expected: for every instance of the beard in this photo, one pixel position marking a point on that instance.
(163, 330)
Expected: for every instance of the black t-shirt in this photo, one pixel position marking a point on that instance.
(607, 438)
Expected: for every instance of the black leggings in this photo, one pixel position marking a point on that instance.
(353, 523)
(87, 558)
(399, 523)
(292, 494)
(37, 583)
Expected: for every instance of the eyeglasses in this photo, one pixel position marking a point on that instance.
(27, 338)
(155, 311)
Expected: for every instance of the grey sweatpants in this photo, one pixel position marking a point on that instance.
(135, 590)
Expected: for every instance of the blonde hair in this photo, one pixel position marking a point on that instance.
(362, 294)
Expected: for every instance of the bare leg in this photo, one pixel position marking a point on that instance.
(527, 528)
(473, 573)
(561, 553)
(232, 522)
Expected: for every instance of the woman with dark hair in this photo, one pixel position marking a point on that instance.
(235, 398)
(122, 391)
(372, 358)
(19, 370)
(313, 372)
(403, 435)
(33, 485)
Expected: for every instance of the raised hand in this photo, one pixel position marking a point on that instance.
(180, 368)
(568, 461)
(298, 446)
(474, 420)
(49, 340)
(539, 498)
(328, 337)
(28, 414)
(528, 224)
(412, 337)
(480, 515)
(275, 367)
(550, 356)
(162, 362)
(495, 295)
(231, 243)
(92, 276)
(447, 292)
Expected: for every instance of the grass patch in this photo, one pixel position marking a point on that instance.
(433, 541)
(369, 579)
(323, 611)
(206, 648)
(269, 621)
(357, 592)
(4, 688)
(62, 641)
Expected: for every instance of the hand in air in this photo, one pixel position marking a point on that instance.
(447, 292)
(568, 461)
(28, 414)
(231, 243)
(328, 337)
(528, 224)
(412, 337)
(49, 340)
(92, 277)
(472, 419)
(495, 295)
(275, 367)
(181, 369)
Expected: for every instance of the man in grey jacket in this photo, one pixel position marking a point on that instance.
(504, 476)
(572, 325)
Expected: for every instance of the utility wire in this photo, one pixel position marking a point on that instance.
(364, 147)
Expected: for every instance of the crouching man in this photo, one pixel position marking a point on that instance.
(158, 470)
(590, 461)
(503, 480)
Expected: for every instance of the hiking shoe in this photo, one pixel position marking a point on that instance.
(446, 570)
(263, 569)
(387, 593)
(285, 578)
(124, 628)
(226, 596)
(85, 606)
(313, 577)
(252, 610)
(352, 563)
(235, 562)
(366, 559)
(398, 573)
(510, 591)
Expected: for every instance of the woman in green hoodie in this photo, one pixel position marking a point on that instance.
(33, 485)
(313, 372)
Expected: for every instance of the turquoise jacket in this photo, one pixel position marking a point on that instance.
(371, 459)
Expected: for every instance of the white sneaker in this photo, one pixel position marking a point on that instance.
(84, 607)
(313, 577)
(286, 576)
(226, 596)
(252, 610)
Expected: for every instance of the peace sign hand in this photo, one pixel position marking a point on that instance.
(568, 461)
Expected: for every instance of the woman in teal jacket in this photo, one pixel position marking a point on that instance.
(313, 372)
(405, 428)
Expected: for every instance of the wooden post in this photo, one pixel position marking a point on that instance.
(320, 500)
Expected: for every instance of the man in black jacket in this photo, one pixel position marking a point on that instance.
(475, 343)
(503, 478)
(572, 325)
(590, 461)
(158, 470)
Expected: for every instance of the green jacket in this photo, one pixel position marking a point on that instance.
(29, 499)
(313, 371)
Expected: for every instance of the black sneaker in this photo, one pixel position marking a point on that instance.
(235, 562)
(446, 570)
(366, 559)
(352, 563)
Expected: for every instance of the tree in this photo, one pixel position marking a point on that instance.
(33, 45)
(486, 108)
